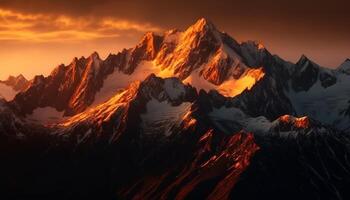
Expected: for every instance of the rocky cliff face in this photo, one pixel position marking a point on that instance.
(200, 52)
(188, 114)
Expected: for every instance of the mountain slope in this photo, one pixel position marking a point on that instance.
(253, 80)
(324, 98)
(12, 85)
(186, 115)
(133, 110)
(201, 56)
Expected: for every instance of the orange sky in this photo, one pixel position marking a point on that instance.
(36, 38)
(35, 43)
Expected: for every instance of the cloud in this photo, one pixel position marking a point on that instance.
(17, 26)
(126, 25)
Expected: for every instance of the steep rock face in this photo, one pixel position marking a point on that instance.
(305, 74)
(327, 78)
(72, 88)
(159, 139)
(322, 96)
(345, 67)
(254, 53)
(146, 50)
(199, 54)
(260, 84)
(203, 49)
(210, 170)
(91, 80)
(315, 159)
(122, 112)
(67, 88)
(192, 48)
(266, 98)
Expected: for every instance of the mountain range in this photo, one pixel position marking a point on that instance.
(190, 114)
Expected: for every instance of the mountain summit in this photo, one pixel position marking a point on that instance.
(201, 55)
(246, 74)
(190, 114)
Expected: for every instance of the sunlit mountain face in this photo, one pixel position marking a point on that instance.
(186, 113)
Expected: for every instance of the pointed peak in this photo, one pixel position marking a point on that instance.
(20, 76)
(59, 69)
(201, 25)
(94, 55)
(148, 37)
(303, 59)
(203, 22)
(82, 58)
(76, 59)
(345, 66)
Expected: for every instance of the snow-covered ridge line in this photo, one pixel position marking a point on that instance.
(157, 101)
(201, 56)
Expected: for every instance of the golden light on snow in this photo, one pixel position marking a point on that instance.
(260, 46)
(301, 122)
(234, 87)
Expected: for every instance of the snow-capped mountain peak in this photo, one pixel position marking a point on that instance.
(202, 25)
(345, 67)
(303, 60)
(145, 103)
(201, 55)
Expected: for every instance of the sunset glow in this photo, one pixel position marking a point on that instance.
(36, 38)
(234, 87)
(44, 41)
(198, 99)
(48, 28)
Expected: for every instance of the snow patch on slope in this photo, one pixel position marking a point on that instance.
(234, 87)
(45, 115)
(174, 88)
(161, 116)
(119, 80)
(103, 112)
(230, 87)
(235, 115)
(324, 104)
